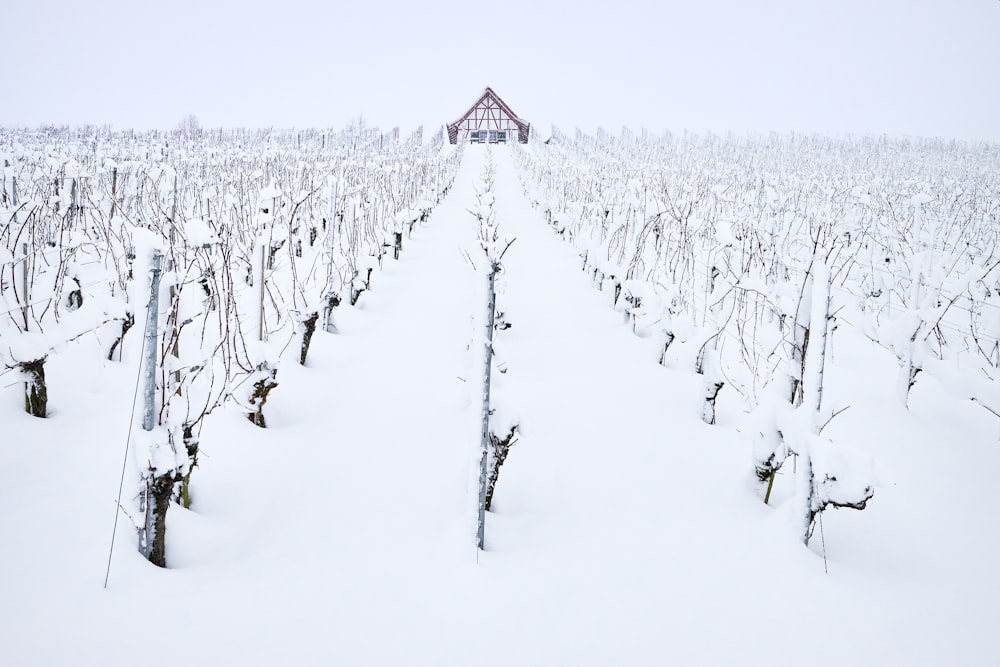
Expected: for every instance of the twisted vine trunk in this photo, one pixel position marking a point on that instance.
(127, 324)
(501, 447)
(308, 329)
(261, 389)
(191, 443)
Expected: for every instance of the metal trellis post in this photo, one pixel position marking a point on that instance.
(487, 373)
(149, 370)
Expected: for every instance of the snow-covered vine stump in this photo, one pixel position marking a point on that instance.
(36, 395)
(153, 535)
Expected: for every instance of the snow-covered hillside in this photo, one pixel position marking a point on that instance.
(625, 530)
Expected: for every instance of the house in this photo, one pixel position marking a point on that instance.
(489, 120)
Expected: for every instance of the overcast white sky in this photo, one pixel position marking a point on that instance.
(917, 67)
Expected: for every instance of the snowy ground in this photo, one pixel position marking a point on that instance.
(625, 531)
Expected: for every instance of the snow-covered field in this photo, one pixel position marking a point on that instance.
(625, 530)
